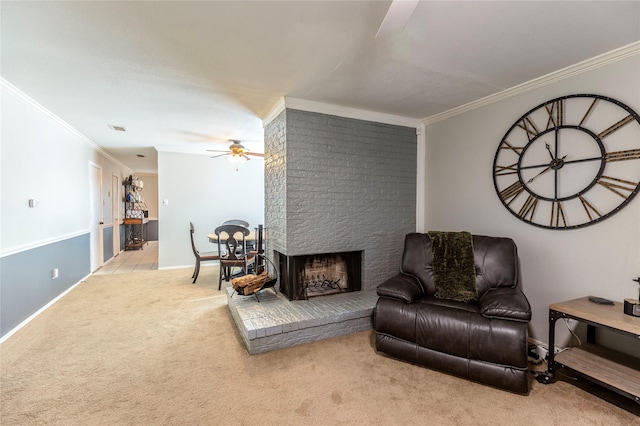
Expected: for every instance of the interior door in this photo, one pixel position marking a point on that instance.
(95, 215)
(115, 210)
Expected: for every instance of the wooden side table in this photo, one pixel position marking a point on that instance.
(135, 233)
(613, 370)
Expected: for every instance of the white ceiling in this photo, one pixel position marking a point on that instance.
(187, 76)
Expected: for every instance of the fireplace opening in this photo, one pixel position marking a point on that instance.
(312, 275)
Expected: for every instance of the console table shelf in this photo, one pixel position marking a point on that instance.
(136, 233)
(613, 370)
(604, 366)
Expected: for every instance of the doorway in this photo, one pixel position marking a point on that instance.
(115, 213)
(95, 215)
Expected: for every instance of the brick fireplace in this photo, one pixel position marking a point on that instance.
(340, 195)
(339, 185)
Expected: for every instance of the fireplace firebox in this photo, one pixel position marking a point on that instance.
(311, 275)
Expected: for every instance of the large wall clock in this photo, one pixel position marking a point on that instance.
(570, 162)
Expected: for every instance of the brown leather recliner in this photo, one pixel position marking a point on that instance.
(485, 341)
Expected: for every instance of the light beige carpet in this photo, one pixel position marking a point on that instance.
(150, 348)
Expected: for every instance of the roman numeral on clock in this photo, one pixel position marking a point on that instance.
(630, 154)
(556, 113)
(588, 207)
(616, 185)
(628, 119)
(586, 114)
(557, 215)
(516, 149)
(506, 170)
(527, 125)
(528, 209)
(512, 191)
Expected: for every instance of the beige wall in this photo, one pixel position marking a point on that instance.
(556, 265)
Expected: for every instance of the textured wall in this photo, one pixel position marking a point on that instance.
(275, 173)
(335, 184)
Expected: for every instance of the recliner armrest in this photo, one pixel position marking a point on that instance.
(505, 303)
(402, 287)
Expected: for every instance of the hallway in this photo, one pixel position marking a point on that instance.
(132, 261)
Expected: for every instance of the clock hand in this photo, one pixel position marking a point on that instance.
(544, 171)
(549, 149)
(554, 163)
(582, 160)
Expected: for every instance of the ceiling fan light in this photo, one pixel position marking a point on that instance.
(237, 158)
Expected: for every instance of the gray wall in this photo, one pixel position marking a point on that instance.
(107, 243)
(336, 184)
(25, 278)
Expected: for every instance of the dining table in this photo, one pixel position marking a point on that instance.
(251, 238)
(251, 241)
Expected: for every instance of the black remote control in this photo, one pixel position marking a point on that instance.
(600, 300)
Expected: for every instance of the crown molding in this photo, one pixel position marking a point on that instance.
(275, 111)
(4, 84)
(340, 111)
(348, 112)
(570, 71)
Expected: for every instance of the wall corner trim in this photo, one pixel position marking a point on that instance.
(421, 179)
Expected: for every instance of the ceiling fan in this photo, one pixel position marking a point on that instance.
(397, 17)
(237, 152)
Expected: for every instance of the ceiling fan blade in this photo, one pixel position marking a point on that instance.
(245, 156)
(221, 155)
(255, 154)
(397, 17)
(217, 150)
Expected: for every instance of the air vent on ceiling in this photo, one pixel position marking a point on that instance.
(118, 128)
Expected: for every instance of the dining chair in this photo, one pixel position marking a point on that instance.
(200, 257)
(232, 250)
(236, 222)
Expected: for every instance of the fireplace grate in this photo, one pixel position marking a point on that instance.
(322, 287)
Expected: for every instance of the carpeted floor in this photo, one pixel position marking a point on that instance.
(150, 348)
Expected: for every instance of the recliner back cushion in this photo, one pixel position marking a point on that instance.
(496, 261)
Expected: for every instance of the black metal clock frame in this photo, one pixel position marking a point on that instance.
(554, 109)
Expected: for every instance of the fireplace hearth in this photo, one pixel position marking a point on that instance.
(312, 275)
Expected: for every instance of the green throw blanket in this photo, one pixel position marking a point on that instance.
(454, 269)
